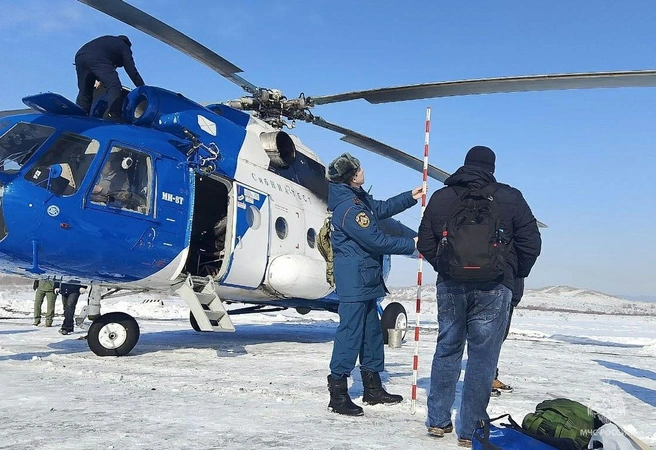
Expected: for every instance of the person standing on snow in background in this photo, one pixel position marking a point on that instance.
(473, 312)
(44, 288)
(358, 246)
(98, 60)
(70, 294)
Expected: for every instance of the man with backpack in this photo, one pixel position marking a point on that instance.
(479, 235)
(358, 246)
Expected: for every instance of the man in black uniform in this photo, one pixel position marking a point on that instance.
(98, 60)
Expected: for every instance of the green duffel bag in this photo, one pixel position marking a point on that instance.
(563, 418)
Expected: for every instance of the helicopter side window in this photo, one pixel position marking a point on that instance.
(19, 143)
(125, 181)
(72, 154)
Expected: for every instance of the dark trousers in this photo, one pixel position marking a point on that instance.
(512, 308)
(88, 71)
(70, 302)
(359, 334)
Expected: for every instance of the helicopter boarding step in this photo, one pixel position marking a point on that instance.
(206, 305)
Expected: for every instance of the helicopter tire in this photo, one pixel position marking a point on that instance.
(113, 334)
(194, 323)
(394, 317)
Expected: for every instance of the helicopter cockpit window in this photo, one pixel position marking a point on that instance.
(19, 143)
(125, 181)
(72, 154)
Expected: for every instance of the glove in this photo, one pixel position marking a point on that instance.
(83, 290)
(56, 291)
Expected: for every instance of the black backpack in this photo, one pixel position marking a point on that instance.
(473, 246)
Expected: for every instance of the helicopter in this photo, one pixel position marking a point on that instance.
(218, 203)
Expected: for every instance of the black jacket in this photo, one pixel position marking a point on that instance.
(518, 292)
(516, 219)
(112, 50)
(66, 289)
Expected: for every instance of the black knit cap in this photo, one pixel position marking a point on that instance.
(482, 157)
(343, 168)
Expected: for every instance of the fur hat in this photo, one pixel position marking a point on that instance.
(482, 157)
(343, 168)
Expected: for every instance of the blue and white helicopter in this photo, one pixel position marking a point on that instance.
(213, 202)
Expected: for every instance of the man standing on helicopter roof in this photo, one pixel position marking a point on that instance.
(358, 246)
(98, 60)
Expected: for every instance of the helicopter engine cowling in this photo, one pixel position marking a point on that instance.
(146, 104)
(279, 147)
(298, 276)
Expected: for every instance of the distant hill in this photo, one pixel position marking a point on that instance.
(640, 298)
(572, 292)
(553, 298)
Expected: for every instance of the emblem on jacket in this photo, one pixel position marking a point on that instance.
(363, 219)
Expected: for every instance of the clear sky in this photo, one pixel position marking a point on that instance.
(583, 159)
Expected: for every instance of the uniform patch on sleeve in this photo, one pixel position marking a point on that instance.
(363, 219)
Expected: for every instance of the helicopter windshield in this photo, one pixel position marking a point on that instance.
(74, 154)
(19, 143)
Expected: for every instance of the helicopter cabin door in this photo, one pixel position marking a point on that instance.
(247, 240)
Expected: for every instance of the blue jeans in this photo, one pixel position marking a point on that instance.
(478, 317)
(359, 334)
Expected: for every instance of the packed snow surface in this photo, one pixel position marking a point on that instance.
(265, 385)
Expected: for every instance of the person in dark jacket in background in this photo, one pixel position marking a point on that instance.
(70, 294)
(473, 313)
(358, 246)
(98, 60)
(518, 292)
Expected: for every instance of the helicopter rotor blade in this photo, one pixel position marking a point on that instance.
(591, 80)
(15, 112)
(140, 20)
(381, 149)
(396, 155)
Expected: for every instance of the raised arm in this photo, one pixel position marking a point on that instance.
(392, 206)
(364, 230)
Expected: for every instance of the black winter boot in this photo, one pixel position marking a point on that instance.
(340, 402)
(374, 392)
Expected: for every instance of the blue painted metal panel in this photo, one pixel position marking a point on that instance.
(52, 103)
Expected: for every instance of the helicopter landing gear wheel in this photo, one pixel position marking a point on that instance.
(194, 323)
(113, 334)
(394, 317)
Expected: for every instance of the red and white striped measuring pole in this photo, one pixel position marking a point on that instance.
(415, 359)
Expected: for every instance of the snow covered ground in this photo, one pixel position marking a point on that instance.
(265, 385)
